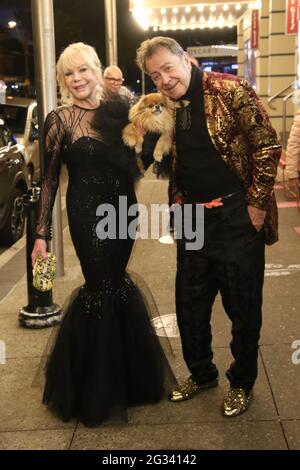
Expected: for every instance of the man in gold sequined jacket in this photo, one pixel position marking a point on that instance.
(225, 158)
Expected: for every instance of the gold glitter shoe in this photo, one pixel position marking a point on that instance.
(237, 401)
(189, 388)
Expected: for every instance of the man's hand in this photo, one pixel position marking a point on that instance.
(257, 216)
(293, 186)
(139, 130)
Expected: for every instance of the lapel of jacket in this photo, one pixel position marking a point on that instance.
(219, 117)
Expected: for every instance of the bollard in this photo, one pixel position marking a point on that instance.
(40, 312)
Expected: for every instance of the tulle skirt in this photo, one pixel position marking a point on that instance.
(106, 356)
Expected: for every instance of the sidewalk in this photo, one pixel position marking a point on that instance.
(273, 420)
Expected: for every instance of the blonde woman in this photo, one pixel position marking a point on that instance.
(106, 356)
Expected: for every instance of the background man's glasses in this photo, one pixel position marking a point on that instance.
(114, 80)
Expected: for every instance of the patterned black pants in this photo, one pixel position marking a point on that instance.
(231, 262)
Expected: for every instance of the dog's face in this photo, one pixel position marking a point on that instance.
(152, 112)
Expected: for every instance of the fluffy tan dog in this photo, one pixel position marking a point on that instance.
(154, 113)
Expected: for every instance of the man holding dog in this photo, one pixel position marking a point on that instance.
(225, 158)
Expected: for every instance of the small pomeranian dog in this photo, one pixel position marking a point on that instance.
(154, 113)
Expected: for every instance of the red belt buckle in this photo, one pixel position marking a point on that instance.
(213, 203)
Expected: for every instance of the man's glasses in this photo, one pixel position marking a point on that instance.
(115, 80)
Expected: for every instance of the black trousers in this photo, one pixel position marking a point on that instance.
(231, 262)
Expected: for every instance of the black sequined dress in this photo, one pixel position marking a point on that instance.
(106, 356)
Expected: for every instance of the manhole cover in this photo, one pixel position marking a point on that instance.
(166, 325)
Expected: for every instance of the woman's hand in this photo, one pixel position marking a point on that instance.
(39, 248)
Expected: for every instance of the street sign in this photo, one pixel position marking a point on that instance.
(213, 51)
(292, 16)
(254, 29)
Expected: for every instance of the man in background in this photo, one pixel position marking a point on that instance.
(113, 84)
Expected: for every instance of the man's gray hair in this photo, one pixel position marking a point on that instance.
(150, 46)
(112, 68)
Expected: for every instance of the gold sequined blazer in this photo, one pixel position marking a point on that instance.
(241, 132)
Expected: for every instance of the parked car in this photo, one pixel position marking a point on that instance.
(20, 115)
(14, 180)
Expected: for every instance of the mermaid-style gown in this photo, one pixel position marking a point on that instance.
(106, 356)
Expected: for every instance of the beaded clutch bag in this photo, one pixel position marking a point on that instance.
(44, 272)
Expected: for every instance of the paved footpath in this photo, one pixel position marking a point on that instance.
(273, 420)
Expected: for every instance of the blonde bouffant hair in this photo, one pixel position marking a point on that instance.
(69, 58)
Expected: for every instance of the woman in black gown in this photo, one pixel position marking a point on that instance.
(106, 356)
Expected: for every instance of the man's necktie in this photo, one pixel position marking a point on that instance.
(184, 114)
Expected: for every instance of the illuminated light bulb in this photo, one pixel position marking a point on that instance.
(221, 22)
(141, 17)
(211, 22)
(175, 10)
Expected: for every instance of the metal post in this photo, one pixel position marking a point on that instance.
(115, 30)
(143, 82)
(284, 133)
(40, 312)
(44, 53)
(111, 32)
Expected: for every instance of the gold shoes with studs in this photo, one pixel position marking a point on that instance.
(237, 401)
(189, 388)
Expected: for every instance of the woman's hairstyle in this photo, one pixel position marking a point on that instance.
(69, 58)
(150, 46)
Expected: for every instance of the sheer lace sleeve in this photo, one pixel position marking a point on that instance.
(53, 138)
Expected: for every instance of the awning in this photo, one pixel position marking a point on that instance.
(166, 15)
